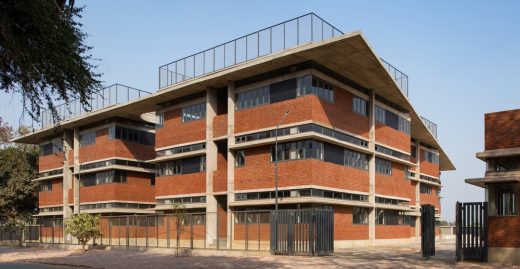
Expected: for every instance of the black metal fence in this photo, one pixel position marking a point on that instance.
(472, 228)
(302, 232)
(428, 230)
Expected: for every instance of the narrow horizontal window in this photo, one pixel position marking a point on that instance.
(194, 112)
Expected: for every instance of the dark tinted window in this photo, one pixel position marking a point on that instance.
(282, 91)
(333, 154)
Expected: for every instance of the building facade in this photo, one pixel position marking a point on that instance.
(347, 136)
(502, 158)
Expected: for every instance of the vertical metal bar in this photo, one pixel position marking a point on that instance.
(235, 47)
(245, 232)
(218, 231)
(167, 231)
(127, 231)
(257, 44)
(246, 49)
(322, 30)
(191, 231)
(146, 230)
(312, 28)
(259, 230)
(485, 235)
(157, 230)
(298, 31)
(284, 35)
(270, 40)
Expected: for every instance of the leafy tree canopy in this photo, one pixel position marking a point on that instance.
(84, 227)
(18, 167)
(43, 55)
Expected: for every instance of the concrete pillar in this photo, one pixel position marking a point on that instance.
(230, 162)
(372, 166)
(67, 172)
(211, 166)
(76, 177)
(417, 187)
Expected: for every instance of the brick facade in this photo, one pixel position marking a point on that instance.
(53, 197)
(177, 132)
(502, 130)
(138, 189)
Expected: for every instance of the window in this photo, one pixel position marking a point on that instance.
(356, 159)
(383, 166)
(252, 98)
(431, 157)
(131, 135)
(390, 201)
(181, 166)
(392, 217)
(45, 186)
(393, 153)
(306, 149)
(152, 180)
(159, 120)
(392, 120)
(240, 158)
(316, 86)
(105, 177)
(87, 138)
(360, 106)
(194, 112)
(181, 149)
(54, 146)
(413, 151)
(360, 215)
(502, 199)
(425, 188)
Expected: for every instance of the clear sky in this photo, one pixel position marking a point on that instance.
(462, 57)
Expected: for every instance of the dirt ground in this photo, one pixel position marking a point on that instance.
(398, 256)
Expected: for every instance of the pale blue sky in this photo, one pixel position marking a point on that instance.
(462, 57)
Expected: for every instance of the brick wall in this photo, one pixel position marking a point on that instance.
(338, 114)
(177, 132)
(504, 231)
(395, 184)
(220, 175)
(502, 129)
(428, 168)
(220, 127)
(137, 188)
(393, 231)
(431, 199)
(180, 184)
(392, 137)
(106, 148)
(258, 172)
(54, 197)
(344, 229)
(52, 161)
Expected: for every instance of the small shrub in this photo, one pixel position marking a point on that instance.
(84, 227)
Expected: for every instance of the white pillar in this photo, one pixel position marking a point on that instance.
(417, 187)
(372, 167)
(76, 184)
(67, 172)
(211, 166)
(230, 161)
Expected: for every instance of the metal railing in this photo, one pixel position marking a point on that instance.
(400, 78)
(111, 95)
(301, 30)
(430, 125)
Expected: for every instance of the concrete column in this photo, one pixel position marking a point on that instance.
(67, 173)
(211, 166)
(372, 166)
(76, 177)
(230, 161)
(417, 188)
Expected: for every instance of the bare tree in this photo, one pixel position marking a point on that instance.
(180, 218)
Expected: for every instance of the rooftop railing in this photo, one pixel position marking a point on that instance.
(301, 30)
(400, 78)
(430, 125)
(112, 95)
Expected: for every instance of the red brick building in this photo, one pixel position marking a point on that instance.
(348, 139)
(501, 154)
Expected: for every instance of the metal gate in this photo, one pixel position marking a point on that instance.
(302, 232)
(428, 230)
(472, 228)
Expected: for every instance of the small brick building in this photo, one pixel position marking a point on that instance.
(502, 157)
(351, 141)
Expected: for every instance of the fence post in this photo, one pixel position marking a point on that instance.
(245, 231)
(218, 230)
(167, 231)
(458, 234)
(485, 231)
(127, 231)
(146, 231)
(109, 231)
(191, 231)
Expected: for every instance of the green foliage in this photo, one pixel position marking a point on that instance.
(18, 193)
(84, 227)
(43, 55)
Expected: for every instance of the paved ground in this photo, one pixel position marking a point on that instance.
(402, 256)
